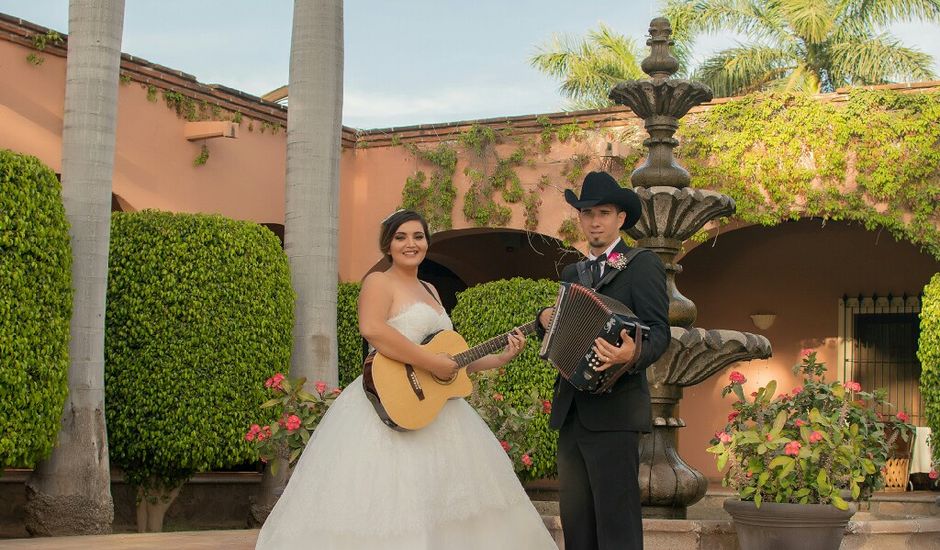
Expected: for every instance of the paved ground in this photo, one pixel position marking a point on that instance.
(242, 539)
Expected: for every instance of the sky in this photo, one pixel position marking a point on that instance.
(406, 61)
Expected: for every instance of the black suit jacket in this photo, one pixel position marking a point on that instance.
(641, 286)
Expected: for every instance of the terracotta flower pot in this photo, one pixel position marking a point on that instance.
(776, 526)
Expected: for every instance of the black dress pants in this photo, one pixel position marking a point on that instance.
(599, 491)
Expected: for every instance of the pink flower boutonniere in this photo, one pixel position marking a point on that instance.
(617, 260)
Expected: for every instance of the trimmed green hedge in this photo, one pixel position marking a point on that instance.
(200, 313)
(35, 309)
(486, 310)
(928, 351)
(349, 341)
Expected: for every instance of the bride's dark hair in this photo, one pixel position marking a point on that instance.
(391, 224)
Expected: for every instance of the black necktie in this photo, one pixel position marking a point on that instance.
(596, 269)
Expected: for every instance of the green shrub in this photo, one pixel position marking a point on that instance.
(35, 309)
(486, 310)
(929, 354)
(200, 314)
(349, 341)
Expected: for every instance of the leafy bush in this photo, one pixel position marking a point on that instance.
(929, 354)
(349, 341)
(486, 310)
(35, 309)
(199, 315)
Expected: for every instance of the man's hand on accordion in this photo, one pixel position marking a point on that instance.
(614, 355)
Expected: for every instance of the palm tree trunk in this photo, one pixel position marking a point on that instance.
(314, 122)
(70, 492)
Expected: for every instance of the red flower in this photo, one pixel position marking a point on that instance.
(497, 396)
(792, 448)
(853, 386)
(800, 422)
(769, 437)
(274, 381)
(320, 386)
(797, 390)
(815, 437)
(292, 422)
(505, 445)
(724, 437)
(527, 460)
(902, 416)
(732, 415)
(806, 352)
(252, 432)
(546, 406)
(336, 391)
(737, 378)
(933, 474)
(249, 436)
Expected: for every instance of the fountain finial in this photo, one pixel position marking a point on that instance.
(660, 64)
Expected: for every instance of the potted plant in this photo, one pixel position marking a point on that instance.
(898, 435)
(798, 459)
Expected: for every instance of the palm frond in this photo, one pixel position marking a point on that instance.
(745, 68)
(811, 20)
(757, 19)
(879, 59)
(881, 13)
(589, 68)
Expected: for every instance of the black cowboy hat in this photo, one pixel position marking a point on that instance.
(602, 188)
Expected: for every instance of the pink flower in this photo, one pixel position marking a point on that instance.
(933, 474)
(527, 460)
(769, 437)
(505, 445)
(274, 381)
(724, 437)
(815, 437)
(546, 406)
(253, 432)
(902, 416)
(498, 396)
(749, 475)
(732, 415)
(800, 422)
(797, 390)
(806, 352)
(792, 448)
(320, 386)
(614, 256)
(853, 386)
(336, 391)
(249, 436)
(292, 423)
(261, 436)
(737, 378)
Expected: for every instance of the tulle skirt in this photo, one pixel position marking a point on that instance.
(360, 484)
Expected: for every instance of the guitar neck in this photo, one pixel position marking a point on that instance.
(492, 345)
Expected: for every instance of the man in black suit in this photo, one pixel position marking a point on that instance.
(598, 440)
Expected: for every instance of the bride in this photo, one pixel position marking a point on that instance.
(359, 484)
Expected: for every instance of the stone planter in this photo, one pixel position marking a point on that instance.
(776, 526)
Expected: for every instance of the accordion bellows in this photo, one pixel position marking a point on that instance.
(582, 315)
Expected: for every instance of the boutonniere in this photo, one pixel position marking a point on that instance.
(617, 260)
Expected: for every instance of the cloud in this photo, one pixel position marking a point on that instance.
(377, 109)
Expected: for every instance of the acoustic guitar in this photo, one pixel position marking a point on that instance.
(408, 398)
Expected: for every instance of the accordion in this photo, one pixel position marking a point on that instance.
(582, 315)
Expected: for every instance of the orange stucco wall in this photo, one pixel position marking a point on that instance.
(799, 271)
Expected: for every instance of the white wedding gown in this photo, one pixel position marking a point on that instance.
(361, 485)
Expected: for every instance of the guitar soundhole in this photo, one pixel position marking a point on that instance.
(445, 382)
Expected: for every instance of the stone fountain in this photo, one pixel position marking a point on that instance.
(673, 212)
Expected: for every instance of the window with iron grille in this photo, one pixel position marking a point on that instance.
(878, 348)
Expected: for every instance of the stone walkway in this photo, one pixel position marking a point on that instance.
(241, 539)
